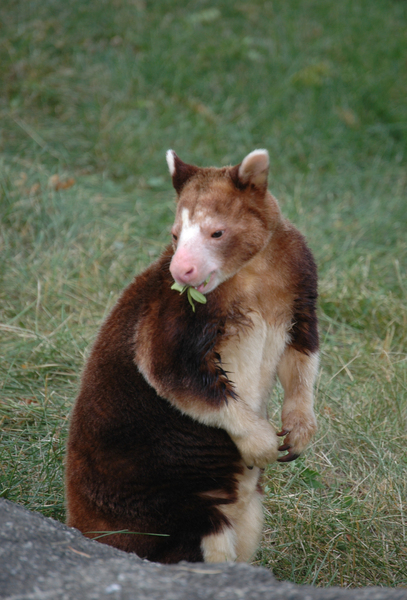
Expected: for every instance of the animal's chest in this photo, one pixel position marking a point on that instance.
(251, 357)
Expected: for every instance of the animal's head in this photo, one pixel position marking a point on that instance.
(224, 218)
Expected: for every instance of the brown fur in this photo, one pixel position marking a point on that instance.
(162, 432)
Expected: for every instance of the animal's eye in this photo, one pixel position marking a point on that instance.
(174, 237)
(217, 234)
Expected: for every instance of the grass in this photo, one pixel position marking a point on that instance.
(92, 95)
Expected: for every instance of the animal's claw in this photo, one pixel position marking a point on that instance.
(288, 457)
(284, 447)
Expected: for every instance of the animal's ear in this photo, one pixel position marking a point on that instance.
(180, 171)
(253, 170)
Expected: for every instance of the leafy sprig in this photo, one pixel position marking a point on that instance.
(192, 293)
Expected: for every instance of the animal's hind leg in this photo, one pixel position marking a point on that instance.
(248, 529)
(220, 547)
(240, 540)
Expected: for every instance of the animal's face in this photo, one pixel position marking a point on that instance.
(224, 218)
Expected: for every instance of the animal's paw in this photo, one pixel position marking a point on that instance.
(297, 429)
(260, 448)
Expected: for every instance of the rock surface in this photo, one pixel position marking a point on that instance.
(42, 559)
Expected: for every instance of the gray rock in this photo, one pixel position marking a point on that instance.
(42, 559)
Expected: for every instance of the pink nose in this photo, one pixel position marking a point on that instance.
(182, 269)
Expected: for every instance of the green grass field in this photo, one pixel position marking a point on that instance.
(92, 94)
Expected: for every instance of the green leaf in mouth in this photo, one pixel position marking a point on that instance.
(192, 293)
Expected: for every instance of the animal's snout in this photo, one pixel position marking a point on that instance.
(183, 268)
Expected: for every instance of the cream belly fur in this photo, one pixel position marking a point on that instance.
(251, 359)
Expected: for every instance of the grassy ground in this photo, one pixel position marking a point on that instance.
(91, 96)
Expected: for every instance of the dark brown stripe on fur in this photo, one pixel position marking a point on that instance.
(304, 332)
